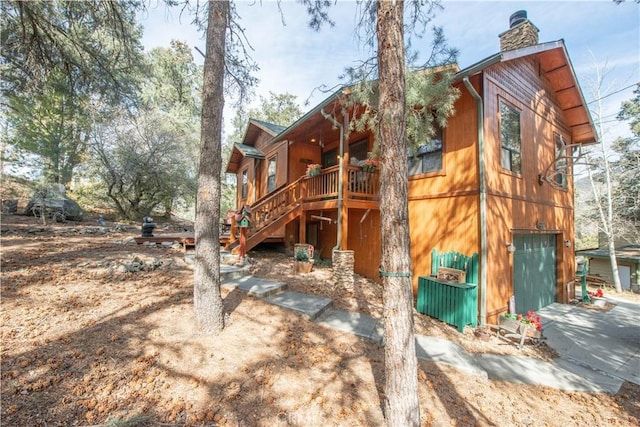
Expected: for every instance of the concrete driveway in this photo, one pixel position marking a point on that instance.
(606, 342)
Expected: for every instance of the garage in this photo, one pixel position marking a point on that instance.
(534, 271)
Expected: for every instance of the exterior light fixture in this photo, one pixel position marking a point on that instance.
(511, 248)
(567, 243)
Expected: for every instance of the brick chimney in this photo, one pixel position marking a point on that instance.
(521, 32)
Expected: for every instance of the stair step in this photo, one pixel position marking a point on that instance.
(311, 306)
(254, 286)
(358, 324)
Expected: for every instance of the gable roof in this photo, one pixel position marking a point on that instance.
(246, 149)
(556, 66)
(255, 127)
(249, 151)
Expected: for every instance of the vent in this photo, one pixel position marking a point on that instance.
(521, 32)
(517, 18)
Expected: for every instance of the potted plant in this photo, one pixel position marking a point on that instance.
(313, 169)
(597, 298)
(301, 261)
(529, 325)
(370, 165)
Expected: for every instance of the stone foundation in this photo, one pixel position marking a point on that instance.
(343, 264)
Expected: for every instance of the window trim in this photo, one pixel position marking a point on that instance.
(510, 149)
(557, 140)
(417, 156)
(271, 184)
(244, 184)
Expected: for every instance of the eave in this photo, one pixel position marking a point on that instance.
(556, 65)
(239, 152)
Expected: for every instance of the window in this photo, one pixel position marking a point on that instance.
(330, 158)
(561, 161)
(510, 153)
(245, 184)
(428, 156)
(358, 150)
(271, 175)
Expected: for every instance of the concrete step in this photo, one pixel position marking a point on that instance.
(254, 286)
(311, 306)
(358, 324)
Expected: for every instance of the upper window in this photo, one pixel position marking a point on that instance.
(561, 161)
(245, 184)
(271, 175)
(427, 157)
(330, 158)
(510, 141)
(358, 151)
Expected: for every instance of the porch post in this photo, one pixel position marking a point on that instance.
(302, 229)
(344, 208)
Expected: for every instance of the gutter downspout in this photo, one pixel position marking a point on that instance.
(483, 202)
(340, 170)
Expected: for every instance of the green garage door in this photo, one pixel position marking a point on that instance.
(534, 271)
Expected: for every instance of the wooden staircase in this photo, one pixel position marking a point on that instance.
(272, 212)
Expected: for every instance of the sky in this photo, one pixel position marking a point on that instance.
(598, 34)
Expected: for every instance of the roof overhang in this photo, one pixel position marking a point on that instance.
(556, 65)
(313, 115)
(630, 253)
(239, 152)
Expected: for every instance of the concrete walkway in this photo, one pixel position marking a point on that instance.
(598, 350)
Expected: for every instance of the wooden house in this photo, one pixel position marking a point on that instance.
(496, 181)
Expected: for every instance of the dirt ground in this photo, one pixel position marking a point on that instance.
(99, 331)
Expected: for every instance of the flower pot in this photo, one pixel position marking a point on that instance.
(302, 266)
(598, 302)
(516, 327)
(530, 331)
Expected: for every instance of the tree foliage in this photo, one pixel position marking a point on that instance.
(626, 164)
(141, 161)
(62, 59)
(96, 41)
(173, 83)
(53, 125)
(146, 158)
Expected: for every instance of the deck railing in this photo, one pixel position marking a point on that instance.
(363, 185)
(323, 186)
(359, 184)
(276, 204)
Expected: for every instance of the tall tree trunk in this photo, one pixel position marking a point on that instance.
(207, 300)
(606, 212)
(401, 405)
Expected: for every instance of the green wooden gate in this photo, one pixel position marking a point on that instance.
(534, 271)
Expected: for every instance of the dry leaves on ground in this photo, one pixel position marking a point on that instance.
(86, 341)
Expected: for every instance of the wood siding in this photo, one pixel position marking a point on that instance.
(516, 202)
(301, 155)
(448, 223)
(444, 206)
